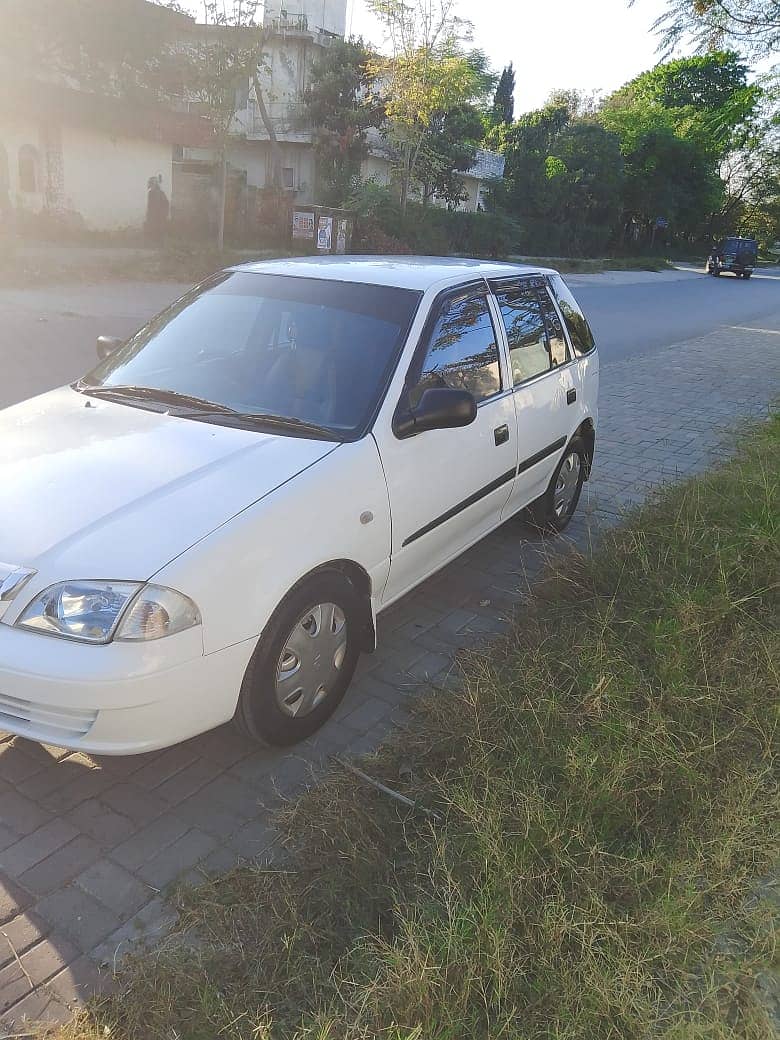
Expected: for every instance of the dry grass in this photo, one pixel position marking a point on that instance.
(25, 266)
(609, 802)
(574, 265)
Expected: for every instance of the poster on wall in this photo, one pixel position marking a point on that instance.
(325, 233)
(303, 224)
(341, 237)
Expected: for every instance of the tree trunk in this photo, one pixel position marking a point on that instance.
(268, 123)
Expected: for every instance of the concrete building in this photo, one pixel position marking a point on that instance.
(300, 31)
(85, 159)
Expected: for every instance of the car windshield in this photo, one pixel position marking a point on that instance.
(311, 351)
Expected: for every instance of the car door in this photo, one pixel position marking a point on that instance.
(448, 486)
(544, 385)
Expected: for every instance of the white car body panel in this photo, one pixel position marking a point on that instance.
(113, 491)
(238, 575)
(234, 518)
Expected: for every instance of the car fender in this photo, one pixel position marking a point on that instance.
(336, 513)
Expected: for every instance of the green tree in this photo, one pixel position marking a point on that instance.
(563, 178)
(343, 104)
(752, 26)
(450, 149)
(106, 48)
(504, 100)
(677, 124)
(426, 73)
(751, 178)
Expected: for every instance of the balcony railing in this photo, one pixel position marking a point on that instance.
(285, 23)
(287, 117)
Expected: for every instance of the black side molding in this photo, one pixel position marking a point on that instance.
(486, 490)
(549, 450)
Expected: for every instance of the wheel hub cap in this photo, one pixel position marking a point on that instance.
(567, 484)
(311, 659)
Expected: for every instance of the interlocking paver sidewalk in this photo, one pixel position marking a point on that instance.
(88, 845)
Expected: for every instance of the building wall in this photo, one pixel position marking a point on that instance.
(254, 158)
(83, 172)
(375, 169)
(379, 169)
(284, 80)
(105, 178)
(16, 135)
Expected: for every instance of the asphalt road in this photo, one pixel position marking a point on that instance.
(47, 334)
(639, 316)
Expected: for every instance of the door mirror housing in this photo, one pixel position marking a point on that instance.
(439, 408)
(108, 345)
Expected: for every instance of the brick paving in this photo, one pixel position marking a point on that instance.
(88, 846)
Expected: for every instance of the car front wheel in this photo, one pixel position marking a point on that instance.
(303, 663)
(555, 508)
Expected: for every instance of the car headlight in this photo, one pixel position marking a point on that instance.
(99, 611)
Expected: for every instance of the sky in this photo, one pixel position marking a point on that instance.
(554, 44)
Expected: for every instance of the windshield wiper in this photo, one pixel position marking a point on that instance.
(199, 408)
(291, 422)
(151, 393)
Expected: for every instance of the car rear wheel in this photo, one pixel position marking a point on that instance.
(553, 511)
(303, 663)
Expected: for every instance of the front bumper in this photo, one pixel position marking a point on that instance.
(119, 699)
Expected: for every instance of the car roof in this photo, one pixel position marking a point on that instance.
(403, 272)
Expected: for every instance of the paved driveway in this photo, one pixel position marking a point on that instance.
(88, 846)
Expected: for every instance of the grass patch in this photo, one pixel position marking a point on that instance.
(35, 265)
(638, 263)
(576, 265)
(609, 806)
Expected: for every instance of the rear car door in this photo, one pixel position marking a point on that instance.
(544, 385)
(448, 487)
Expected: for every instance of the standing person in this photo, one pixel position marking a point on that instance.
(157, 209)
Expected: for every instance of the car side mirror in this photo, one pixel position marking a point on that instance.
(439, 408)
(108, 345)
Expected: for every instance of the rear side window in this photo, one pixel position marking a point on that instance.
(462, 352)
(579, 331)
(559, 352)
(529, 353)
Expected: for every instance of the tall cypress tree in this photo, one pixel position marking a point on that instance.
(504, 101)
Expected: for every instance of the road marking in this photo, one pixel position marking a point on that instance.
(748, 328)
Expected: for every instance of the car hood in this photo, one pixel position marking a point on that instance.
(94, 489)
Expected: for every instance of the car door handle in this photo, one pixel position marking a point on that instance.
(501, 434)
(571, 396)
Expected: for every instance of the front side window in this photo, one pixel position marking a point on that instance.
(529, 353)
(309, 349)
(462, 350)
(579, 331)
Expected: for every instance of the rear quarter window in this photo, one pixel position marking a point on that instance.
(576, 323)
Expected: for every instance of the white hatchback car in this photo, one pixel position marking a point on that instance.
(205, 527)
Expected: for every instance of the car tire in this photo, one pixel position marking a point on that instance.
(746, 274)
(553, 511)
(302, 644)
